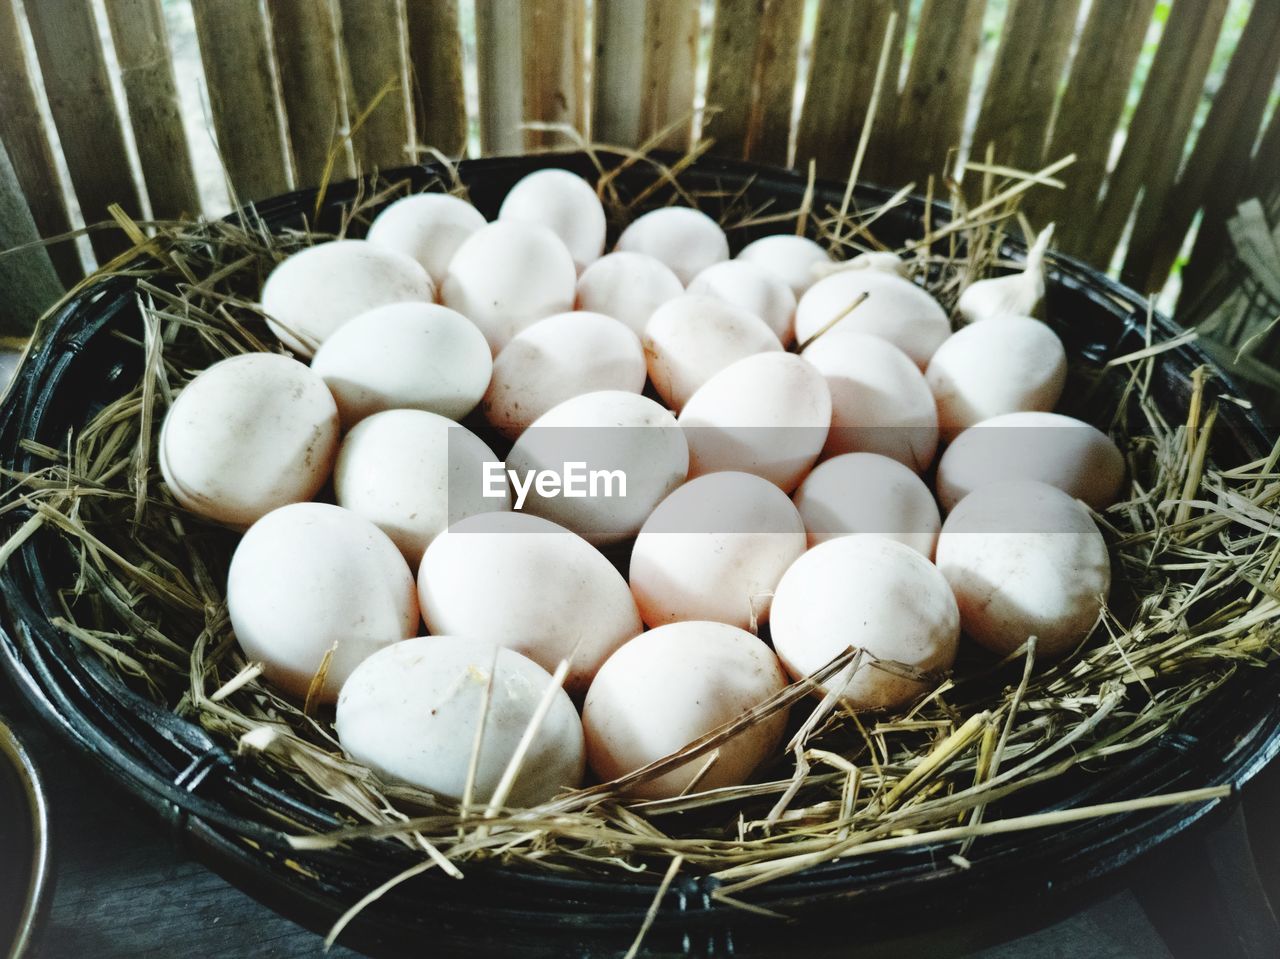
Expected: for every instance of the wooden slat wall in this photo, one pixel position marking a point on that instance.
(23, 134)
(846, 50)
(1024, 82)
(934, 101)
(644, 71)
(1153, 146)
(435, 74)
(335, 56)
(84, 111)
(237, 66)
(309, 58)
(1218, 159)
(146, 69)
(371, 34)
(754, 48)
(1090, 111)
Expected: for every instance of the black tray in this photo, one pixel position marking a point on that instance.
(216, 805)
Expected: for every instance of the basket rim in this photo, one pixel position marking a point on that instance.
(52, 688)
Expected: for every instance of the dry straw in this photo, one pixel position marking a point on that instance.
(1196, 555)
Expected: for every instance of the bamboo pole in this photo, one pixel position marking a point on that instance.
(146, 70)
(553, 37)
(372, 37)
(308, 54)
(1090, 112)
(84, 111)
(236, 53)
(1157, 134)
(498, 69)
(23, 133)
(751, 78)
(1025, 80)
(936, 96)
(435, 59)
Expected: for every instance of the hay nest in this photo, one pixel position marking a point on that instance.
(1195, 550)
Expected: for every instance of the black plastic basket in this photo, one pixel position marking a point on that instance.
(221, 808)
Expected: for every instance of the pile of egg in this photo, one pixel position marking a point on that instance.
(767, 483)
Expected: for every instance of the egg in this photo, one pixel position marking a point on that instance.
(1059, 450)
(429, 227)
(529, 585)
(671, 686)
(714, 550)
(312, 577)
(766, 414)
(412, 713)
(1006, 364)
(790, 258)
(314, 291)
(686, 240)
(567, 205)
(880, 402)
(1025, 559)
(754, 289)
(895, 310)
(556, 359)
(413, 473)
(418, 356)
(627, 287)
(872, 494)
(876, 595)
(247, 435)
(629, 454)
(692, 338)
(508, 275)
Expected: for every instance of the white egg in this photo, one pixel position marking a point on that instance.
(565, 203)
(895, 310)
(880, 402)
(868, 493)
(1025, 559)
(788, 257)
(766, 414)
(314, 291)
(413, 473)
(428, 227)
(418, 356)
(627, 453)
(628, 287)
(247, 435)
(412, 713)
(671, 686)
(686, 240)
(1059, 450)
(714, 550)
(508, 275)
(692, 338)
(875, 595)
(529, 585)
(754, 289)
(309, 578)
(1006, 364)
(556, 359)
